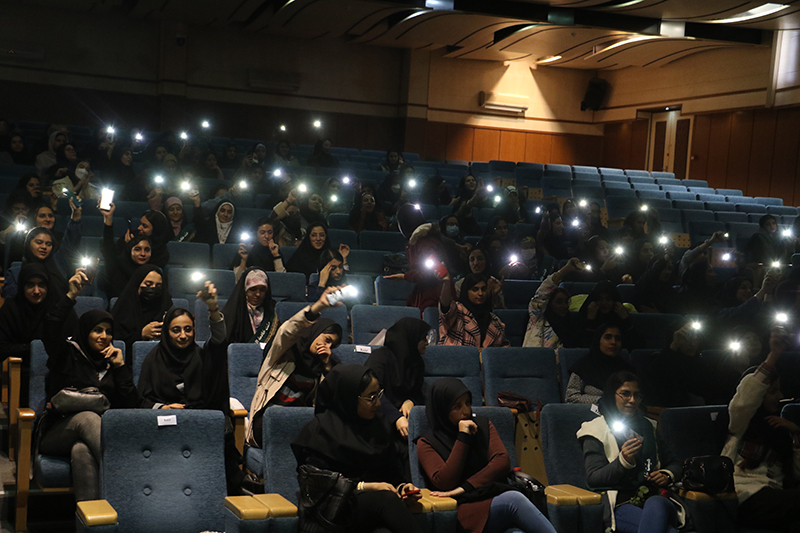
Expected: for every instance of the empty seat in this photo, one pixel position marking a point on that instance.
(518, 293)
(557, 168)
(783, 210)
(502, 166)
(611, 171)
(627, 193)
(730, 216)
(480, 166)
(386, 241)
(663, 175)
(688, 204)
(342, 236)
(765, 200)
(702, 190)
(620, 206)
(711, 198)
(462, 362)
(584, 177)
(741, 230)
(674, 188)
(637, 173)
(641, 179)
(669, 182)
(516, 322)
(648, 194)
(369, 320)
(645, 186)
(339, 220)
(616, 184)
(720, 206)
(583, 169)
(678, 195)
(669, 215)
(88, 303)
(751, 208)
(392, 291)
(366, 261)
(614, 177)
(530, 372)
(688, 215)
(696, 183)
(587, 193)
(729, 192)
(700, 230)
(190, 254)
(742, 200)
(656, 203)
(529, 173)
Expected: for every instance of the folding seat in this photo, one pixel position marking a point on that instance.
(611, 171)
(411, 156)
(695, 183)
(753, 218)
(641, 180)
(286, 310)
(657, 203)
(613, 188)
(590, 193)
(129, 210)
(526, 164)
(223, 255)
(765, 200)
(674, 188)
(88, 303)
(462, 362)
(529, 173)
(342, 236)
(353, 354)
(645, 186)
(586, 180)
(729, 192)
(637, 173)
(502, 166)
(669, 215)
(742, 200)
(700, 230)
(647, 195)
(392, 291)
(614, 177)
(584, 169)
(628, 293)
(717, 206)
(385, 241)
(731, 216)
(518, 293)
(663, 175)
(783, 210)
(368, 262)
(711, 198)
(677, 195)
(479, 166)
(701, 190)
(530, 372)
(688, 204)
(620, 207)
(688, 215)
(751, 208)
(183, 282)
(516, 321)
(558, 168)
(741, 230)
(338, 220)
(190, 254)
(369, 320)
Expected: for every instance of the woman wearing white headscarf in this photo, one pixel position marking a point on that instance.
(221, 228)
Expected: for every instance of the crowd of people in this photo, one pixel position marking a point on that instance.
(457, 265)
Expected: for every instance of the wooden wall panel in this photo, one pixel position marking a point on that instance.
(796, 199)
(761, 150)
(682, 131)
(537, 147)
(414, 135)
(659, 142)
(435, 141)
(460, 141)
(512, 145)
(718, 146)
(739, 153)
(698, 169)
(637, 155)
(616, 144)
(486, 145)
(563, 151)
(784, 158)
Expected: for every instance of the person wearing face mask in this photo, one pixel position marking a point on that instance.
(332, 272)
(366, 215)
(141, 306)
(550, 324)
(448, 225)
(79, 181)
(400, 369)
(589, 374)
(623, 452)
(604, 306)
(295, 364)
(306, 258)
(479, 263)
(79, 358)
(250, 310)
(470, 321)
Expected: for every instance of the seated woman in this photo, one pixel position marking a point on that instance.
(479, 263)
(601, 263)
(550, 324)
(141, 306)
(221, 228)
(589, 374)
(552, 238)
(639, 260)
(435, 192)
(604, 306)
(620, 452)
(470, 321)
(120, 264)
(766, 245)
(348, 435)
(401, 370)
(764, 447)
(81, 358)
(39, 249)
(264, 253)
(311, 210)
(295, 364)
(365, 215)
(463, 457)
(655, 290)
(332, 268)
(22, 319)
(250, 311)
(306, 258)
(699, 288)
(182, 229)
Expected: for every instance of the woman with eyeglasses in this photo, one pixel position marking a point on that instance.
(295, 364)
(622, 457)
(590, 373)
(349, 436)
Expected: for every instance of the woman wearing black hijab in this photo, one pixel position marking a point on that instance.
(463, 457)
(434, 192)
(81, 359)
(306, 258)
(655, 290)
(401, 370)
(366, 215)
(141, 306)
(698, 292)
(264, 253)
(348, 435)
(250, 311)
(19, 153)
(295, 363)
(470, 321)
(549, 323)
(589, 374)
(154, 224)
(39, 248)
(604, 306)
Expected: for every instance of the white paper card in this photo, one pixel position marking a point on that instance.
(262, 344)
(714, 417)
(168, 420)
(363, 349)
(595, 409)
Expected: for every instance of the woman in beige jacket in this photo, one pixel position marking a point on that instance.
(298, 360)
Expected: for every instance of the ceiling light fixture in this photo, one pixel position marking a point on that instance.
(546, 60)
(756, 12)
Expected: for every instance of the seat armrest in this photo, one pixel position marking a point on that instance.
(277, 505)
(246, 508)
(704, 497)
(439, 504)
(239, 416)
(571, 495)
(14, 365)
(96, 513)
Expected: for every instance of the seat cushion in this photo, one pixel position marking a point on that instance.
(254, 460)
(52, 472)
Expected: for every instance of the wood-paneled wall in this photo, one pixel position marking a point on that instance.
(439, 140)
(625, 144)
(757, 151)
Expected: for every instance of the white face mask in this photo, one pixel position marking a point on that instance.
(528, 254)
(396, 189)
(81, 173)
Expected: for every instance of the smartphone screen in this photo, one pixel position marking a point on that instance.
(106, 197)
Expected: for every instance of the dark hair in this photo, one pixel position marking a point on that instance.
(600, 331)
(366, 379)
(766, 218)
(264, 220)
(617, 379)
(334, 329)
(556, 292)
(327, 256)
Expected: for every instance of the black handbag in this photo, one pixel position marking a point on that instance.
(712, 474)
(327, 500)
(70, 400)
(532, 488)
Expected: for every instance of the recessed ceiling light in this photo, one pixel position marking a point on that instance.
(548, 59)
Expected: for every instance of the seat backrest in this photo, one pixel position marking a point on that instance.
(201, 323)
(530, 372)
(286, 310)
(281, 427)
(366, 261)
(369, 320)
(501, 418)
(289, 286)
(386, 241)
(88, 303)
(392, 291)
(694, 431)
(164, 476)
(353, 354)
(182, 284)
(566, 358)
(190, 254)
(244, 363)
(563, 455)
(138, 354)
(224, 254)
(462, 362)
(518, 293)
(516, 322)
(656, 326)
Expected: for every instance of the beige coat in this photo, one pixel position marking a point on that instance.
(278, 365)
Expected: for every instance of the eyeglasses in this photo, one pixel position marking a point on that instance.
(176, 330)
(627, 395)
(372, 398)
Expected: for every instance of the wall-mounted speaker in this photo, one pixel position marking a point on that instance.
(595, 94)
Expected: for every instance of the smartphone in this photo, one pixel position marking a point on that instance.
(69, 194)
(631, 434)
(411, 493)
(90, 264)
(106, 197)
(130, 226)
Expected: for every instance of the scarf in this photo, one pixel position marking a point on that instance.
(58, 282)
(223, 228)
(158, 238)
(399, 365)
(176, 226)
(245, 323)
(131, 312)
(483, 312)
(603, 287)
(20, 320)
(306, 258)
(596, 367)
(86, 324)
(564, 326)
(638, 423)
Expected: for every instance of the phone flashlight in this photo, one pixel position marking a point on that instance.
(317, 123)
(20, 226)
(697, 326)
(726, 257)
(245, 237)
(489, 188)
(663, 239)
(302, 188)
(588, 267)
(334, 198)
(184, 135)
(185, 186)
(85, 261)
(575, 223)
(776, 264)
(583, 203)
(430, 263)
(735, 346)
(412, 184)
(243, 184)
(727, 235)
(618, 427)
(619, 250)
(158, 179)
(781, 318)
(346, 180)
(497, 199)
(538, 210)
(110, 130)
(513, 258)
(277, 173)
(106, 197)
(205, 124)
(198, 276)
(644, 207)
(787, 232)
(139, 137)
(283, 128)
(417, 207)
